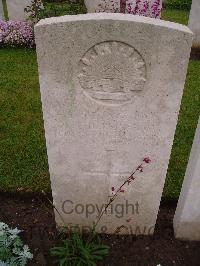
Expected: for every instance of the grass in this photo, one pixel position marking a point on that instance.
(187, 122)
(178, 16)
(23, 163)
(188, 117)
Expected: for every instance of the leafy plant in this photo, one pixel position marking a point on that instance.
(45, 9)
(77, 251)
(34, 10)
(12, 250)
(179, 4)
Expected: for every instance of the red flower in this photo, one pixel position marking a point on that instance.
(128, 181)
(147, 160)
(113, 189)
(140, 168)
(122, 190)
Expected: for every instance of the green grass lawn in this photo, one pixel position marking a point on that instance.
(188, 118)
(23, 160)
(178, 16)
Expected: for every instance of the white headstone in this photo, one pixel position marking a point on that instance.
(1, 10)
(187, 216)
(16, 9)
(194, 22)
(111, 87)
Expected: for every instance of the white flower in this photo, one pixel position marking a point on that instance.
(3, 226)
(26, 252)
(3, 263)
(18, 254)
(14, 231)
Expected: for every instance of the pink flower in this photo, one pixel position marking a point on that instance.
(128, 181)
(147, 160)
(140, 168)
(16, 33)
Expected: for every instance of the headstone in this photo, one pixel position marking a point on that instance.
(110, 96)
(151, 8)
(187, 216)
(194, 22)
(1, 10)
(16, 9)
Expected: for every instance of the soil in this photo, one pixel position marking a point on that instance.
(34, 215)
(195, 55)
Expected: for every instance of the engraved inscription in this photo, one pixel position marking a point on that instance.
(110, 72)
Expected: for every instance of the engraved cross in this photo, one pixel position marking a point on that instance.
(107, 171)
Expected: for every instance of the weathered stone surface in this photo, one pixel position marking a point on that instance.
(194, 22)
(16, 9)
(187, 216)
(1, 10)
(111, 87)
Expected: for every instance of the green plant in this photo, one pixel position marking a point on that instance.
(45, 9)
(34, 10)
(12, 250)
(77, 251)
(179, 4)
(54, 9)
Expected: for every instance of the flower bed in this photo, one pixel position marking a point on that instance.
(148, 8)
(16, 33)
(144, 8)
